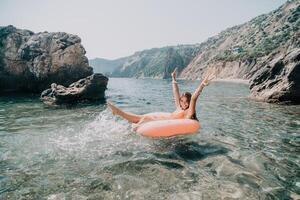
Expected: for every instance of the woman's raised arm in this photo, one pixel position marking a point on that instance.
(192, 106)
(175, 89)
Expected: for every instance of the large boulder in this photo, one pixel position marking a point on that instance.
(30, 62)
(91, 88)
(278, 80)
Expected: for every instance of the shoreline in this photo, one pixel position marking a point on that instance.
(232, 80)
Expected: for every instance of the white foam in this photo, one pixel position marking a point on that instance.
(105, 129)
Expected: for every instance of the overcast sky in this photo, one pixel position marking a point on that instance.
(116, 28)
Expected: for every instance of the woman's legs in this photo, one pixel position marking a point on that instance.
(133, 118)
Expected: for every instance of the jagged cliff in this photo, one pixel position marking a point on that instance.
(238, 51)
(265, 50)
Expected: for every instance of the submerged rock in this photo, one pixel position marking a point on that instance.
(30, 62)
(91, 88)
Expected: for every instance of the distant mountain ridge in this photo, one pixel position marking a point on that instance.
(155, 62)
(106, 66)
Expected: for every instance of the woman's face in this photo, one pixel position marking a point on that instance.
(184, 104)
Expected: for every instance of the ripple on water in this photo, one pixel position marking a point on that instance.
(245, 149)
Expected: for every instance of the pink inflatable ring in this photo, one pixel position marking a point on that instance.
(168, 127)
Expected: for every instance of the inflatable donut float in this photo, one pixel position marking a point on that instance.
(163, 126)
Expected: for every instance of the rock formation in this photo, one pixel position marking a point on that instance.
(251, 41)
(278, 80)
(30, 62)
(264, 50)
(90, 88)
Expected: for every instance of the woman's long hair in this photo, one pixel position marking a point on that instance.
(188, 96)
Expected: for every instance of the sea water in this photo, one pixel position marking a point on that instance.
(244, 150)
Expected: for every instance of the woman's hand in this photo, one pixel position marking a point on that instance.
(174, 74)
(207, 79)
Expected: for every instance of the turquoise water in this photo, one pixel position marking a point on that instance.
(245, 149)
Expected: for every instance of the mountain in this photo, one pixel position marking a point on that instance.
(265, 51)
(233, 53)
(105, 66)
(157, 62)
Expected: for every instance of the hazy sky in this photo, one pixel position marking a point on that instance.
(117, 28)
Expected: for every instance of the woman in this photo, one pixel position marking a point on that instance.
(185, 105)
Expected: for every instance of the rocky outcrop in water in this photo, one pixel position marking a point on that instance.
(30, 62)
(263, 50)
(278, 80)
(90, 88)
